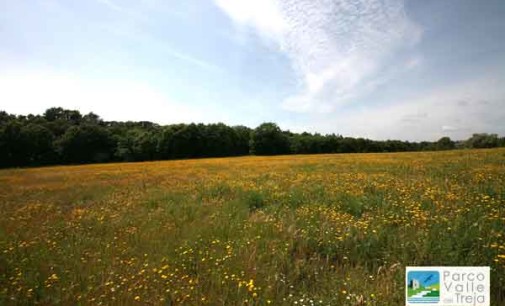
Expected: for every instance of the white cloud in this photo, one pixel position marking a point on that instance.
(428, 116)
(449, 128)
(337, 47)
(33, 92)
(262, 14)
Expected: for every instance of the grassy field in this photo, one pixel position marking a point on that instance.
(284, 230)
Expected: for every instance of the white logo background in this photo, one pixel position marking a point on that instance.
(459, 286)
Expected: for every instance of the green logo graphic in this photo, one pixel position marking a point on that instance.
(423, 287)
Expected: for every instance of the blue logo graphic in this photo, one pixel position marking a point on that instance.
(423, 287)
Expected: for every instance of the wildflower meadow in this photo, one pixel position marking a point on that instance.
(335, 229)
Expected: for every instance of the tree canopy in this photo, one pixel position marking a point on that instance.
(62, 136)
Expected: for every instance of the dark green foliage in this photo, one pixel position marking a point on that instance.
(242, 136)
(136, 145)
(85, 144)
(445, 143)
(12, 152)
(37, 142)
(268, 139)
(61, 136)
(483, 141)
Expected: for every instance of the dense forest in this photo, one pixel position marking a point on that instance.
(61, 136)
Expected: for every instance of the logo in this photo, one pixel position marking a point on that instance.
(442, 286)
(423, 286)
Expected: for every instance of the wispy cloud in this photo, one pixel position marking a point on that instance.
(428, 115)
(134, 31)
(193, 60)
(265, 15)
(338, 48)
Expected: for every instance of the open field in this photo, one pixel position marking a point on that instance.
(285, 230)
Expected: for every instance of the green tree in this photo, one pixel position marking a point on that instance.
(60, 114)
(136, 145)
(12, 146)
(241, 140)
(268, 139)
(165, 142)
(187, 141)
(86, 143)
(445, 143)
(483, 140)
(38, 144)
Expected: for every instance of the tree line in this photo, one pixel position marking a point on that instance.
(61, 136)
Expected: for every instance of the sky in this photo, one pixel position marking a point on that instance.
(425, 278)
(381, 69)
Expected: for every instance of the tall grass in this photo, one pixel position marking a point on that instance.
(285, 230)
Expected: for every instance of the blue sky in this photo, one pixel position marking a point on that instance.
(426, 278)
(414, 70)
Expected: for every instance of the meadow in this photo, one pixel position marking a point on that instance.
(282, 230)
